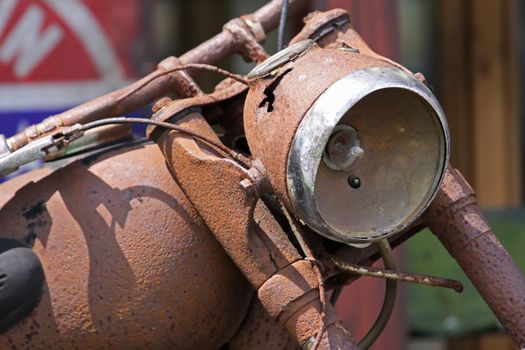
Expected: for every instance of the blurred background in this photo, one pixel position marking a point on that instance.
(56, 54)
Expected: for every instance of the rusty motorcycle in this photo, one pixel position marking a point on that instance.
(230, 222)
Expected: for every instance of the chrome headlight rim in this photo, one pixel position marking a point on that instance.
(313, 132)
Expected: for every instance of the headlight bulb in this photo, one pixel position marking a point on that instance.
(343, 148)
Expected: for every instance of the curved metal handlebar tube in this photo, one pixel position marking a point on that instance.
(455, 218)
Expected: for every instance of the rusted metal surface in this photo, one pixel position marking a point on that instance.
(294, 282)
(259, 331)
(291, 296)
(315, 21)
(161, 103)
(127, 259)
(250, 50)
(335, 335)
(183, 84)
(206, 104)
(286, 284)
(274, 236)
(345, 36)
(211, 51)
(255, 27)
(272, 114)
(198, 169)
(455, 218)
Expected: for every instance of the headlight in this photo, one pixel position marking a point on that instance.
(355, 146)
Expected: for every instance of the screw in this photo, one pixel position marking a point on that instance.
(248, 187)
(354, 182)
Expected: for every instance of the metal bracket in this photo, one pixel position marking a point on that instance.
(320, 24)
(184, 85)
(250, 49)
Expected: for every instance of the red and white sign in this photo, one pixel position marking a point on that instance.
(58, 53)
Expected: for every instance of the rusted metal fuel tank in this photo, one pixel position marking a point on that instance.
(128, 262)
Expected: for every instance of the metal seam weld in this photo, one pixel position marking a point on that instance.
(467, 244)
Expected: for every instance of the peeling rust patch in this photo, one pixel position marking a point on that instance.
(269, 91)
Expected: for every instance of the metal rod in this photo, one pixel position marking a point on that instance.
(455, 218)
(400, 276)
(389, 301)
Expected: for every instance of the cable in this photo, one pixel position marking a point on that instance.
(390, 291)
(282, 25)
(316, 266)
(142, 83)
(389, 301)
(124, 120)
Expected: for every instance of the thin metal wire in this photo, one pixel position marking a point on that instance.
(282, 25)
(125, 120)
(389, 301)
(316, 267)
(399, 276)
(390, 291)
(147, 80)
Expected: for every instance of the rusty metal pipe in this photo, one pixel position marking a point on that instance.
(455, 218)
(211, 51)
(223, 44)
(426, 280)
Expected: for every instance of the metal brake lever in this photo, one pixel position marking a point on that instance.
(39, 149)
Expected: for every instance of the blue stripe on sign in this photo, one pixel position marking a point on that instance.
(13, 122)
